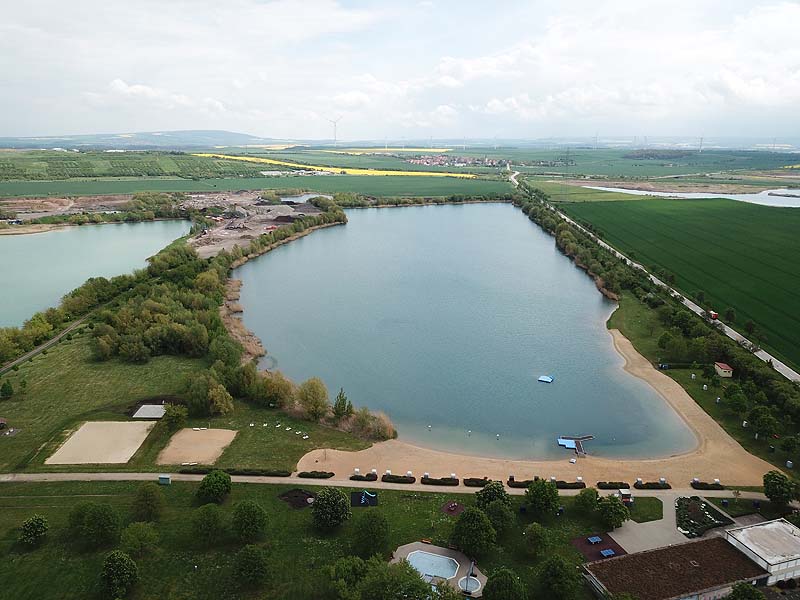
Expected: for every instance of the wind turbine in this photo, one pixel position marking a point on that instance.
(335, 122)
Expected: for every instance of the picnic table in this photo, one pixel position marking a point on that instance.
(607, 553)
(595, 539)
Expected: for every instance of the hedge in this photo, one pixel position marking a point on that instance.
(652, 485)
(439, 480)
(476, 482)
(397, 478)
(570, 485)
(367, 477)
(316, 474)
(702, 485)
(521, 483)
(612, 485)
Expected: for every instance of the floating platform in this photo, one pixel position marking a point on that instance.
(546, 379)
(571, 442)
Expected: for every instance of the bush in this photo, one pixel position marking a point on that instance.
(476, 482)
(139, 539)
(473, 532)
(439, 480)
(316, 474)
(370, 534)
(613, 485)
(33, 530)
(541, 497)
(386, 478)
(175, 416)
(251, 566)
(148, 504)
(367, 477)
(313, 398)
(500, 515)
(208, 524)
(119, 574)
(214, 487)
(537, 539)
(612, 511)
(586, 500)
(702, 485)
(330, 509)
(249, 520)
(94, 525)
(779, 488)
(570, 485)
(492, 492)
(503, 584)
(652, 485)
(558, 579)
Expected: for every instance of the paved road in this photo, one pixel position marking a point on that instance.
(49, 343)
(777, 364)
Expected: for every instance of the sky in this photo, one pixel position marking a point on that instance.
(410, 69)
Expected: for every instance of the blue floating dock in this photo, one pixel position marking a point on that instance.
(546, 379)
(571, 442)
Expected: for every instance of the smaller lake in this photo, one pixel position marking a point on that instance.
(38, 269)
(765, 198)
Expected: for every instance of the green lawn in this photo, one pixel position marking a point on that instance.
(641, 326)
(647, 509)
(741, 255)
(297, 554)
(740, 507)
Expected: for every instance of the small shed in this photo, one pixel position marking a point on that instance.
(723, 369)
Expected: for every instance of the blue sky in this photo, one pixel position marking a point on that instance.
(402, 69)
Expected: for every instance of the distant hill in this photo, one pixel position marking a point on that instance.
(149, 140)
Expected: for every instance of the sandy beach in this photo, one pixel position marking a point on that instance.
(717, 455)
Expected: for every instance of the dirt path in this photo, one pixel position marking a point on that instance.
(717, 455)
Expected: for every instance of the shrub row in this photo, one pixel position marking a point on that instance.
(397, 478)
(570, 485)
(652, 485)
(521, 483)
(439, 480)
(476, 482)
(367, 477)
(316, 474)
(612, 485)
(703, 485)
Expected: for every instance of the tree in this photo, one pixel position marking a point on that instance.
(330, 509)
(664, 339)
(763, 421)
(220, 401)
(370, 534)
(473, 532)
(214, 487)
(779, 488)
(737, 404)
(94, 525)
(342, 406)
(612, 511)
(133, 349)
(383, 581)
(175, 416)
(251, 565)
(749, 327)
(6, 390)
(344, 575)
(313, 397)
(745, 591)
(542, 497)
(494, 490)
(700, 296)
(537, 539)
(119, 574)
(503, 584)
(730, 314)
(148, 504)
(500, 516)
(208, 524)
(139, 539)
(278, 390)
(586, 500)
(249, 520)
(33, 530)
(789, 444)
(558, 579)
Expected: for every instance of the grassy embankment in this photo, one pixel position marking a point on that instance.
(297, 554)
(641, 326)
(740, 255)
(66, 387)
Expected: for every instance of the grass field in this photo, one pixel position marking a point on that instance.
(641, 326)
(374, 186)
(741, 255)
(180, 569)
(561, 192)
(65, 388)
(646, 509)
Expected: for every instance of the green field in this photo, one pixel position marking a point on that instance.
(741, 255)
(296, 553)
(66, 387)
(374, 186)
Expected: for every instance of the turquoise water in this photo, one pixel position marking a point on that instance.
(446, 316)
(38, 269)
(436, 565)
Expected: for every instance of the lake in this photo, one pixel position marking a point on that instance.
(787, 198)
(38, 269)
(446, 316)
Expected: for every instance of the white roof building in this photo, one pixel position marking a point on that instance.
(150, 411)
(773, 545)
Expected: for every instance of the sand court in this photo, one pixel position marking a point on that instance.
(203, 446)
(101, 442)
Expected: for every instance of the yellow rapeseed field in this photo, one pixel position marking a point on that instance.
(360, 151)
(345, 170)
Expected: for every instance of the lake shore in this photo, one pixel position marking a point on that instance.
(717, 455)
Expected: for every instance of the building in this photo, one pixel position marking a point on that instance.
(705, 569)
(773, 545)
(723, 369)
